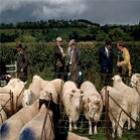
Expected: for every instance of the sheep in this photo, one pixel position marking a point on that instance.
(33, 92)
(117, 117)
(37, 85)
(11, 127)
(33, 129)
(29, 97)
(135, 82)
(58, 84)
(16, 86)
(92, 104)
(50, 89)
(131, 96)
(72, 100)
(3, 115)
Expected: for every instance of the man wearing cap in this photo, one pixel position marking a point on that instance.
(22, 62)
(59, 59)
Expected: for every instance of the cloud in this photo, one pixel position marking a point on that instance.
(100, 11)
(46, 8)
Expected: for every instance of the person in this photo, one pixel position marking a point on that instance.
(2, 68)
(59, 59)
(123, 61)
(22, 62)
(73, 62)
(106, 62)
(2, 71)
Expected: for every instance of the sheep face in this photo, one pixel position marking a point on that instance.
(46, 95)
(92, 106)
(116, 79)
(76, 98)
(135, 79)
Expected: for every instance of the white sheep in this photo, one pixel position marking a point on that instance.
(135, 81)
(92, 104)
(50, 90)
(116, 115)
(11, 127)
(3, 115)
(38, 84)
(131, 96)
(16, 86)
(58, 84)
(72, 100)
(33, 129)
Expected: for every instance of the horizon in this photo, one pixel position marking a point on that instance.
(109, 24)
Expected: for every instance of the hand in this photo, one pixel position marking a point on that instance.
(21, 70)
(118, 64)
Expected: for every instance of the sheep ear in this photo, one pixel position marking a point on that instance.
(71, 95)
(81, 92)
(97, 102)
(73, 91)
(88, 100)
(51, 96)
(113, 78)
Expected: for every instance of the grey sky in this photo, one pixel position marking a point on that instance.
(99, 11)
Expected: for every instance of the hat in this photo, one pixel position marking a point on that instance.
(72, 42)
(59, 39)
(19, 46)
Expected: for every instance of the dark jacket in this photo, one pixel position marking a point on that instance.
(106, 62)
(2, 67)
(58, 58)
(22, 64)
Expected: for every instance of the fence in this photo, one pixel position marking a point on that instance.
(11, 69)
(104, 125)
(9, 103)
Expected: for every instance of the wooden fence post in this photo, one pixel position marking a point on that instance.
(106, 115)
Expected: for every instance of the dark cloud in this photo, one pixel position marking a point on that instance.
(100, 11)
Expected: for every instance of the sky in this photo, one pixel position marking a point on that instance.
(99, 11)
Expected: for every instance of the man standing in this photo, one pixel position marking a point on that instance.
(59, 59)
(73, 61)
(106, 62)
(22, 63)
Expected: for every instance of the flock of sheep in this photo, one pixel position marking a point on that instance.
(27, 123)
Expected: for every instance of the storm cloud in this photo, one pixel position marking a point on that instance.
(100, 11)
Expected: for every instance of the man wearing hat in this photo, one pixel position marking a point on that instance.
(59, 59)
(22, 62)
(73, 62)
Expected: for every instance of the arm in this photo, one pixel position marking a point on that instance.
(25, 62)
(126, 56)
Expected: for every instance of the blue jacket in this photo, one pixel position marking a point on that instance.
(106, 62)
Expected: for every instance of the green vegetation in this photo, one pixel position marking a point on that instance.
(82, 30)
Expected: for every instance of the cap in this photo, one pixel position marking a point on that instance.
(19, 45)
(59, 39)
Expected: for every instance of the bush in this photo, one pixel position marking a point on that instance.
(41, 58)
